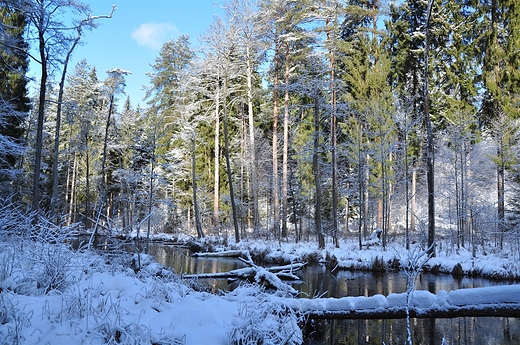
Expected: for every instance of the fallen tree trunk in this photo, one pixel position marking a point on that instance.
(269, 277)
(493, 310)
(487, 301)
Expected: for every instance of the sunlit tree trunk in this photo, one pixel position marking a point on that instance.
(216, 182)
(285, 153)
(275, 182)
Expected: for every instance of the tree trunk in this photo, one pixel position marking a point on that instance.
(285, 154)
(333, 130)
(252, 149)
(104, 179)
(216, 185)
(316, 171)
(87, 185)
(198, 224)
(360, 187)
(413, 198)
(150, 188)
(228, 166)
(72, 198)
(429, 144)
(55, 179)
(41, 116)
(275, 182)
(500, 193)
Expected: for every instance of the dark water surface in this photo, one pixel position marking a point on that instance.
(317, 281)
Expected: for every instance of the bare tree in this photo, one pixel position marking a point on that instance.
(51, 33)
(87, 23)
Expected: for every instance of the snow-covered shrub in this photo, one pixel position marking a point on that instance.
(13, 220)
(264, 320)
(12, 320)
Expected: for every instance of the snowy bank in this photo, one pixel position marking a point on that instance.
(102, 300)
(492, 265)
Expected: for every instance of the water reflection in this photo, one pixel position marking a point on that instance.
(318, 281)
(182, 262)
(456, 331)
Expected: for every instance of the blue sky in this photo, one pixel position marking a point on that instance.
(132, 38)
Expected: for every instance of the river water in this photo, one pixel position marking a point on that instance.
(317, 281)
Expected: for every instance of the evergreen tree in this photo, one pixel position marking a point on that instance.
(501, 81)
(14, 103)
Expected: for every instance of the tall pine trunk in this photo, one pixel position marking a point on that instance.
(316, 172)
(252, 148)
(275, 181)
(429, 142)
(285, 153)
(41, 114)
(216, 182)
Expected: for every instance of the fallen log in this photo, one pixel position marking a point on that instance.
(226, 253)
(258, 274)
(241, 273)
(501, 301)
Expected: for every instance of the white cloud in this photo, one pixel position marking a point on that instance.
(153, 35)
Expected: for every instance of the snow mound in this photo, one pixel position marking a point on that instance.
(485, 295)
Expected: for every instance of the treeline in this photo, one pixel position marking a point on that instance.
(288, 118)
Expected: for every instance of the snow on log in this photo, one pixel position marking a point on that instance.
(226, 253)
(487, 301)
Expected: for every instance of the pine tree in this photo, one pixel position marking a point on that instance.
(84, 115)
(501, 81)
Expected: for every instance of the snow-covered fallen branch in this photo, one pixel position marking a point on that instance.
(269, 277)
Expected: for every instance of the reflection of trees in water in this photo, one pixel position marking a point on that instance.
(458, 331)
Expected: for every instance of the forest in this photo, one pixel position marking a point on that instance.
(287, 120)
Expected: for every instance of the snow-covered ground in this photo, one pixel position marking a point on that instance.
(52, 295)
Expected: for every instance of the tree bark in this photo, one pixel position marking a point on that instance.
(275, 181)
(316, 172)
(198, 224)
(228, 165)
(285, 153)
(55, 179)
(500, 193)
(333, 139)
(429, 142)
(41, 113)
(252, 148)
(216, 182)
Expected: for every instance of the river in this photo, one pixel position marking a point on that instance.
(318, 281)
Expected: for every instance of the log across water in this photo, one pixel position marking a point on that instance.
(487, 301)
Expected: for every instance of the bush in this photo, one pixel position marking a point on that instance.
(379, 264)
(264, 321)
(457, 271)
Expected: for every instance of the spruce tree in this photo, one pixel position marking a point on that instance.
(14, 102)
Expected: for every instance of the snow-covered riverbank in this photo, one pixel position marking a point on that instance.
(503, 264)
(50, 294)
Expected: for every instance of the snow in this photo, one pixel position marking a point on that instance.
(105, 302)
(102, 300)
(476, 298)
